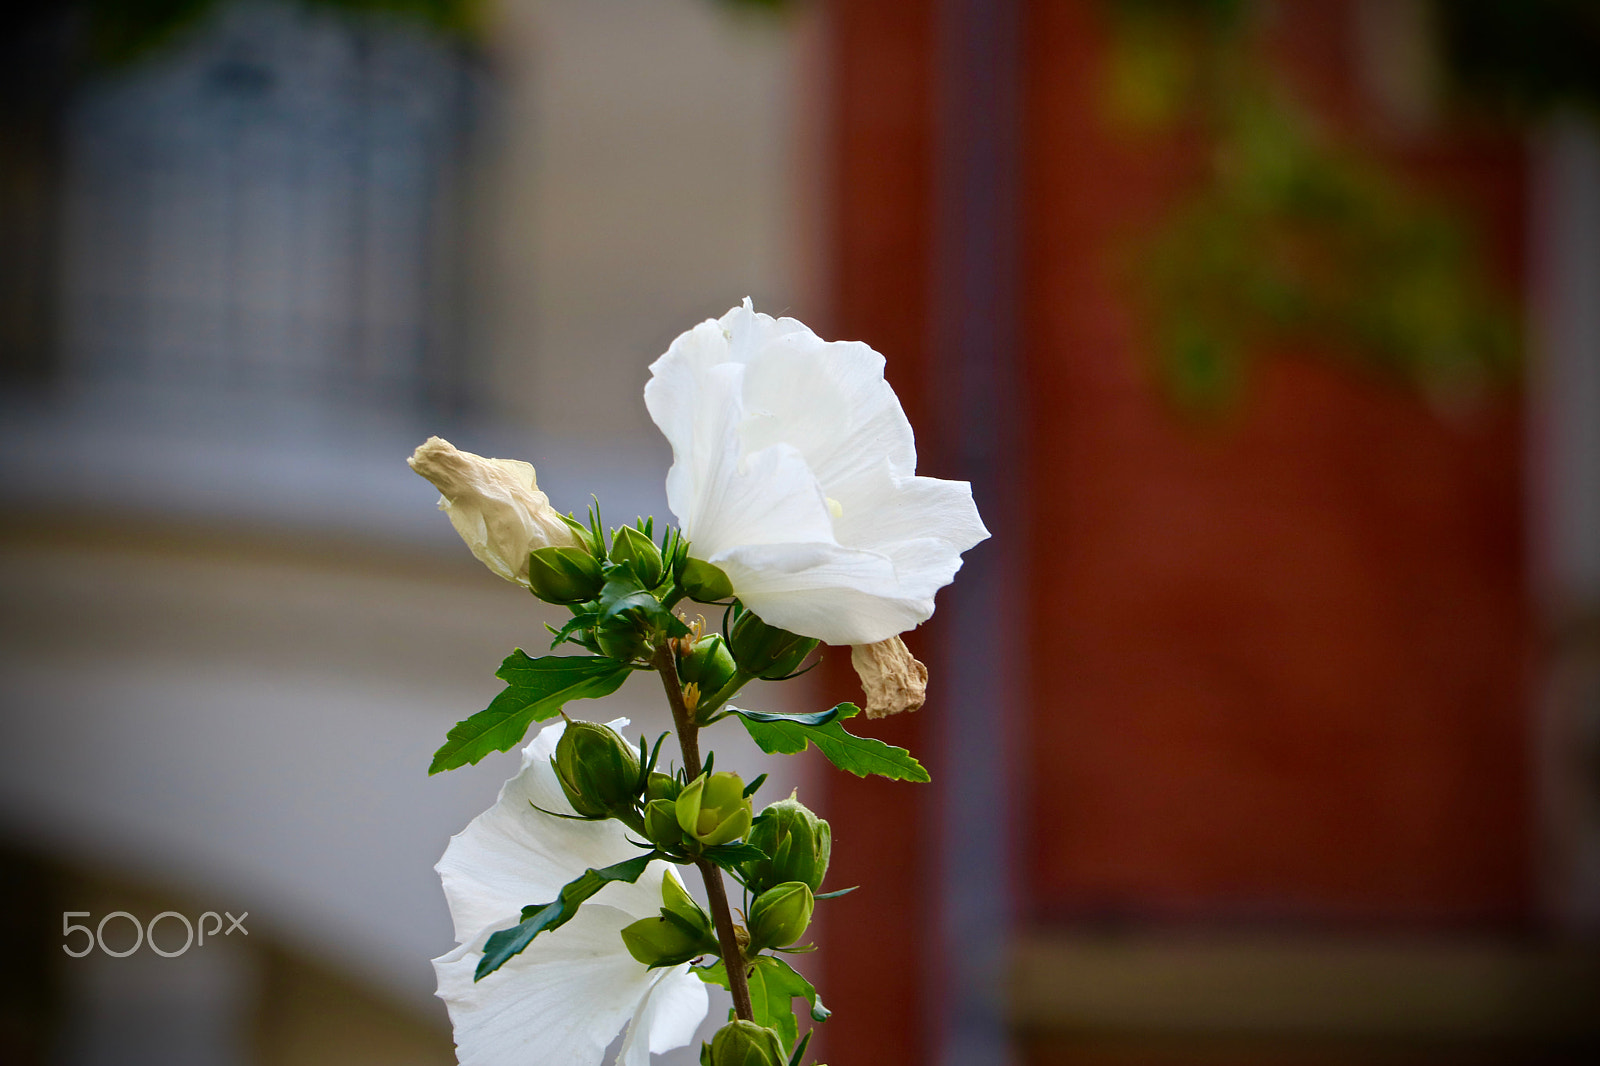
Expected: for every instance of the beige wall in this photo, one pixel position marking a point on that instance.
(244, 722)
(651, 172)
(245, 725)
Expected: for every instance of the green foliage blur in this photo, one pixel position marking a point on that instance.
(759, 5)
(1295, 241)
(1291, 239)
(125, 31)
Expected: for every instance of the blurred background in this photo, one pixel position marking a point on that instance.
(1266, 730)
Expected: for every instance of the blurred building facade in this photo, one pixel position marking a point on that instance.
(263, 255)
(1264, 730)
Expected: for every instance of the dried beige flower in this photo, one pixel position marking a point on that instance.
(891, 676)
(495, 505)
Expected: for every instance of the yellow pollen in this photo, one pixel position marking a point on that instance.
(835, 508)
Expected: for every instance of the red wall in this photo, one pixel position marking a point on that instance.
(874, 957)
(1286, 650)
(1279, 658)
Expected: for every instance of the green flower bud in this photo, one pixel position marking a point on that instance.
(638, 552)
(714, 809)
(742, 1043)
(709, 664)
(661, 786)
(597, 768)
(661, 823)
(767, 651)
(629, 615)
(664, 941)
(797, 844)
(780, 915)
(564, 575)
(580, 532)
(704, 582)
(676, 898)
(682, 932)
(622, 636)
(677, 903)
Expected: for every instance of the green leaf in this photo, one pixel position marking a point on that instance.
(836, 893)
(627, 614)
(857, 755)
(799, 986)
(814, 718)
(771, 999)
(623, 595)
(580, 621)
(731, 856)
(773, 987)
(536, 689)
(504, 945)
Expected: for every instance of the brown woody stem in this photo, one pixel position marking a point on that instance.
(716, 892)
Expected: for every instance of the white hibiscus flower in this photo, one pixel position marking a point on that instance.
(794, 471)
(564, 998)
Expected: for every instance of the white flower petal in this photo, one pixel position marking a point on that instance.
(723, 493)
(835, 614)
(668, 1017)
(678, 1004)
(675, 380)
(791, 383)
(761, 495)
(562, 1000)
(512, 855)
(793, 470)
(879, 509)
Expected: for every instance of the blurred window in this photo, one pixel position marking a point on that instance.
(269, 207)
